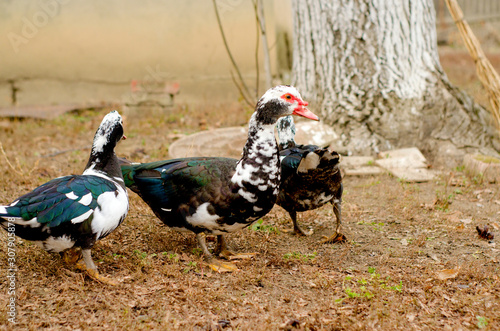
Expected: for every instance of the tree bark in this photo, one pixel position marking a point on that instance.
(372, 69)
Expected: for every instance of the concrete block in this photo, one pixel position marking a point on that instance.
(487, 167)
(408, 164)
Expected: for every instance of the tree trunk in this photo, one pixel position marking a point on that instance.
(372, 70)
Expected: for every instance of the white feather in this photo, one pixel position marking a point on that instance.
(82, 217)
(71, 196)
(56, 244)
(113, 208)
(203, 218)
(86, 199)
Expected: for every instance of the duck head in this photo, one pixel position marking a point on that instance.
(282, 100)
(109, 133)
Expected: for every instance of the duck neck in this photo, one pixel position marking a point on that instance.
(286, 132)
(258, 171)
(104, 162)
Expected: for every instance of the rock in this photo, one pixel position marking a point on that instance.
(225, 142)
(229, 142)
(359, 166)
(483, 166)
(408, 164)
(314, 133)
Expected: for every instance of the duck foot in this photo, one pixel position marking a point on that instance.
(299, 232)
(88, 266)
(227, 254)
(335, 238)
(94, 274)
(221, 266)
(222, 250)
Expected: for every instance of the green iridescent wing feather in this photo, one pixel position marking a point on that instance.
(51, 205)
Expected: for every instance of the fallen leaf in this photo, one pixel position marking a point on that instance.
(466, 220)
(433, 256)
(484, 232)
(495, 225)
(454, 217)
(447, 273)
(404, 242)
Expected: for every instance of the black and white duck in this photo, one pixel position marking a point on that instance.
(69, 214)
(215, 195)
(310, 178)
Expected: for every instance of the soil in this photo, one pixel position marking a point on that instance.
(413, 258)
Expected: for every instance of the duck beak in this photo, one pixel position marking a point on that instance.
(301, 110)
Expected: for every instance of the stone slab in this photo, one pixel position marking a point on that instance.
(229, 142)
(402, 158)
(41, 112)
(487, 167)
(359, 166)
(225, 142)
(407, 164)
(314, 133)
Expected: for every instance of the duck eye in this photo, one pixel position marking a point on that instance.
(288, 96)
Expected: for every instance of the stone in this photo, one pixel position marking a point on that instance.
(224, 142)
(483, 166)
(314, 133)
(359, 166)
(407, 164)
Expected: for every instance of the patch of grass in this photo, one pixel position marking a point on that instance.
(300, 256)
(367, 288)
(259, 226)
(482, 322)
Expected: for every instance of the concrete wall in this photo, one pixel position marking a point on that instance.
(88, 51)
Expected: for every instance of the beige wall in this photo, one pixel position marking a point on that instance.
(78, 51)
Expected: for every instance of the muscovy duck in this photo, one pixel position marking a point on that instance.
(310, 177)
(216, 195)
(69, 214)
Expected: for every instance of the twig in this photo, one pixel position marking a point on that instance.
(20, 171)
(257, 25)
(8, 162)
(241, 90)
(259, 7)
(245, 87)
(485, 71)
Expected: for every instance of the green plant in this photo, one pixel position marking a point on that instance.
(139, 254)
(258, 226)
(482, 322)
(367, 287)
(300, 256)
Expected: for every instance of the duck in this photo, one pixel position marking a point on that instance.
(310, 178)
(217, 195)
(67, 215)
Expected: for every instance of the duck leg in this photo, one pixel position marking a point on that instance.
(337, 236)
(91, 270)
(72, 255)
(296, 228)
(213, 263)
(225, 252)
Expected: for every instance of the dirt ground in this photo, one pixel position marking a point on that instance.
(413, 259)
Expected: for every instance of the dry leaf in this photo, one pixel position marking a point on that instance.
(455, 216)
(484, 232)
(447, 273)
